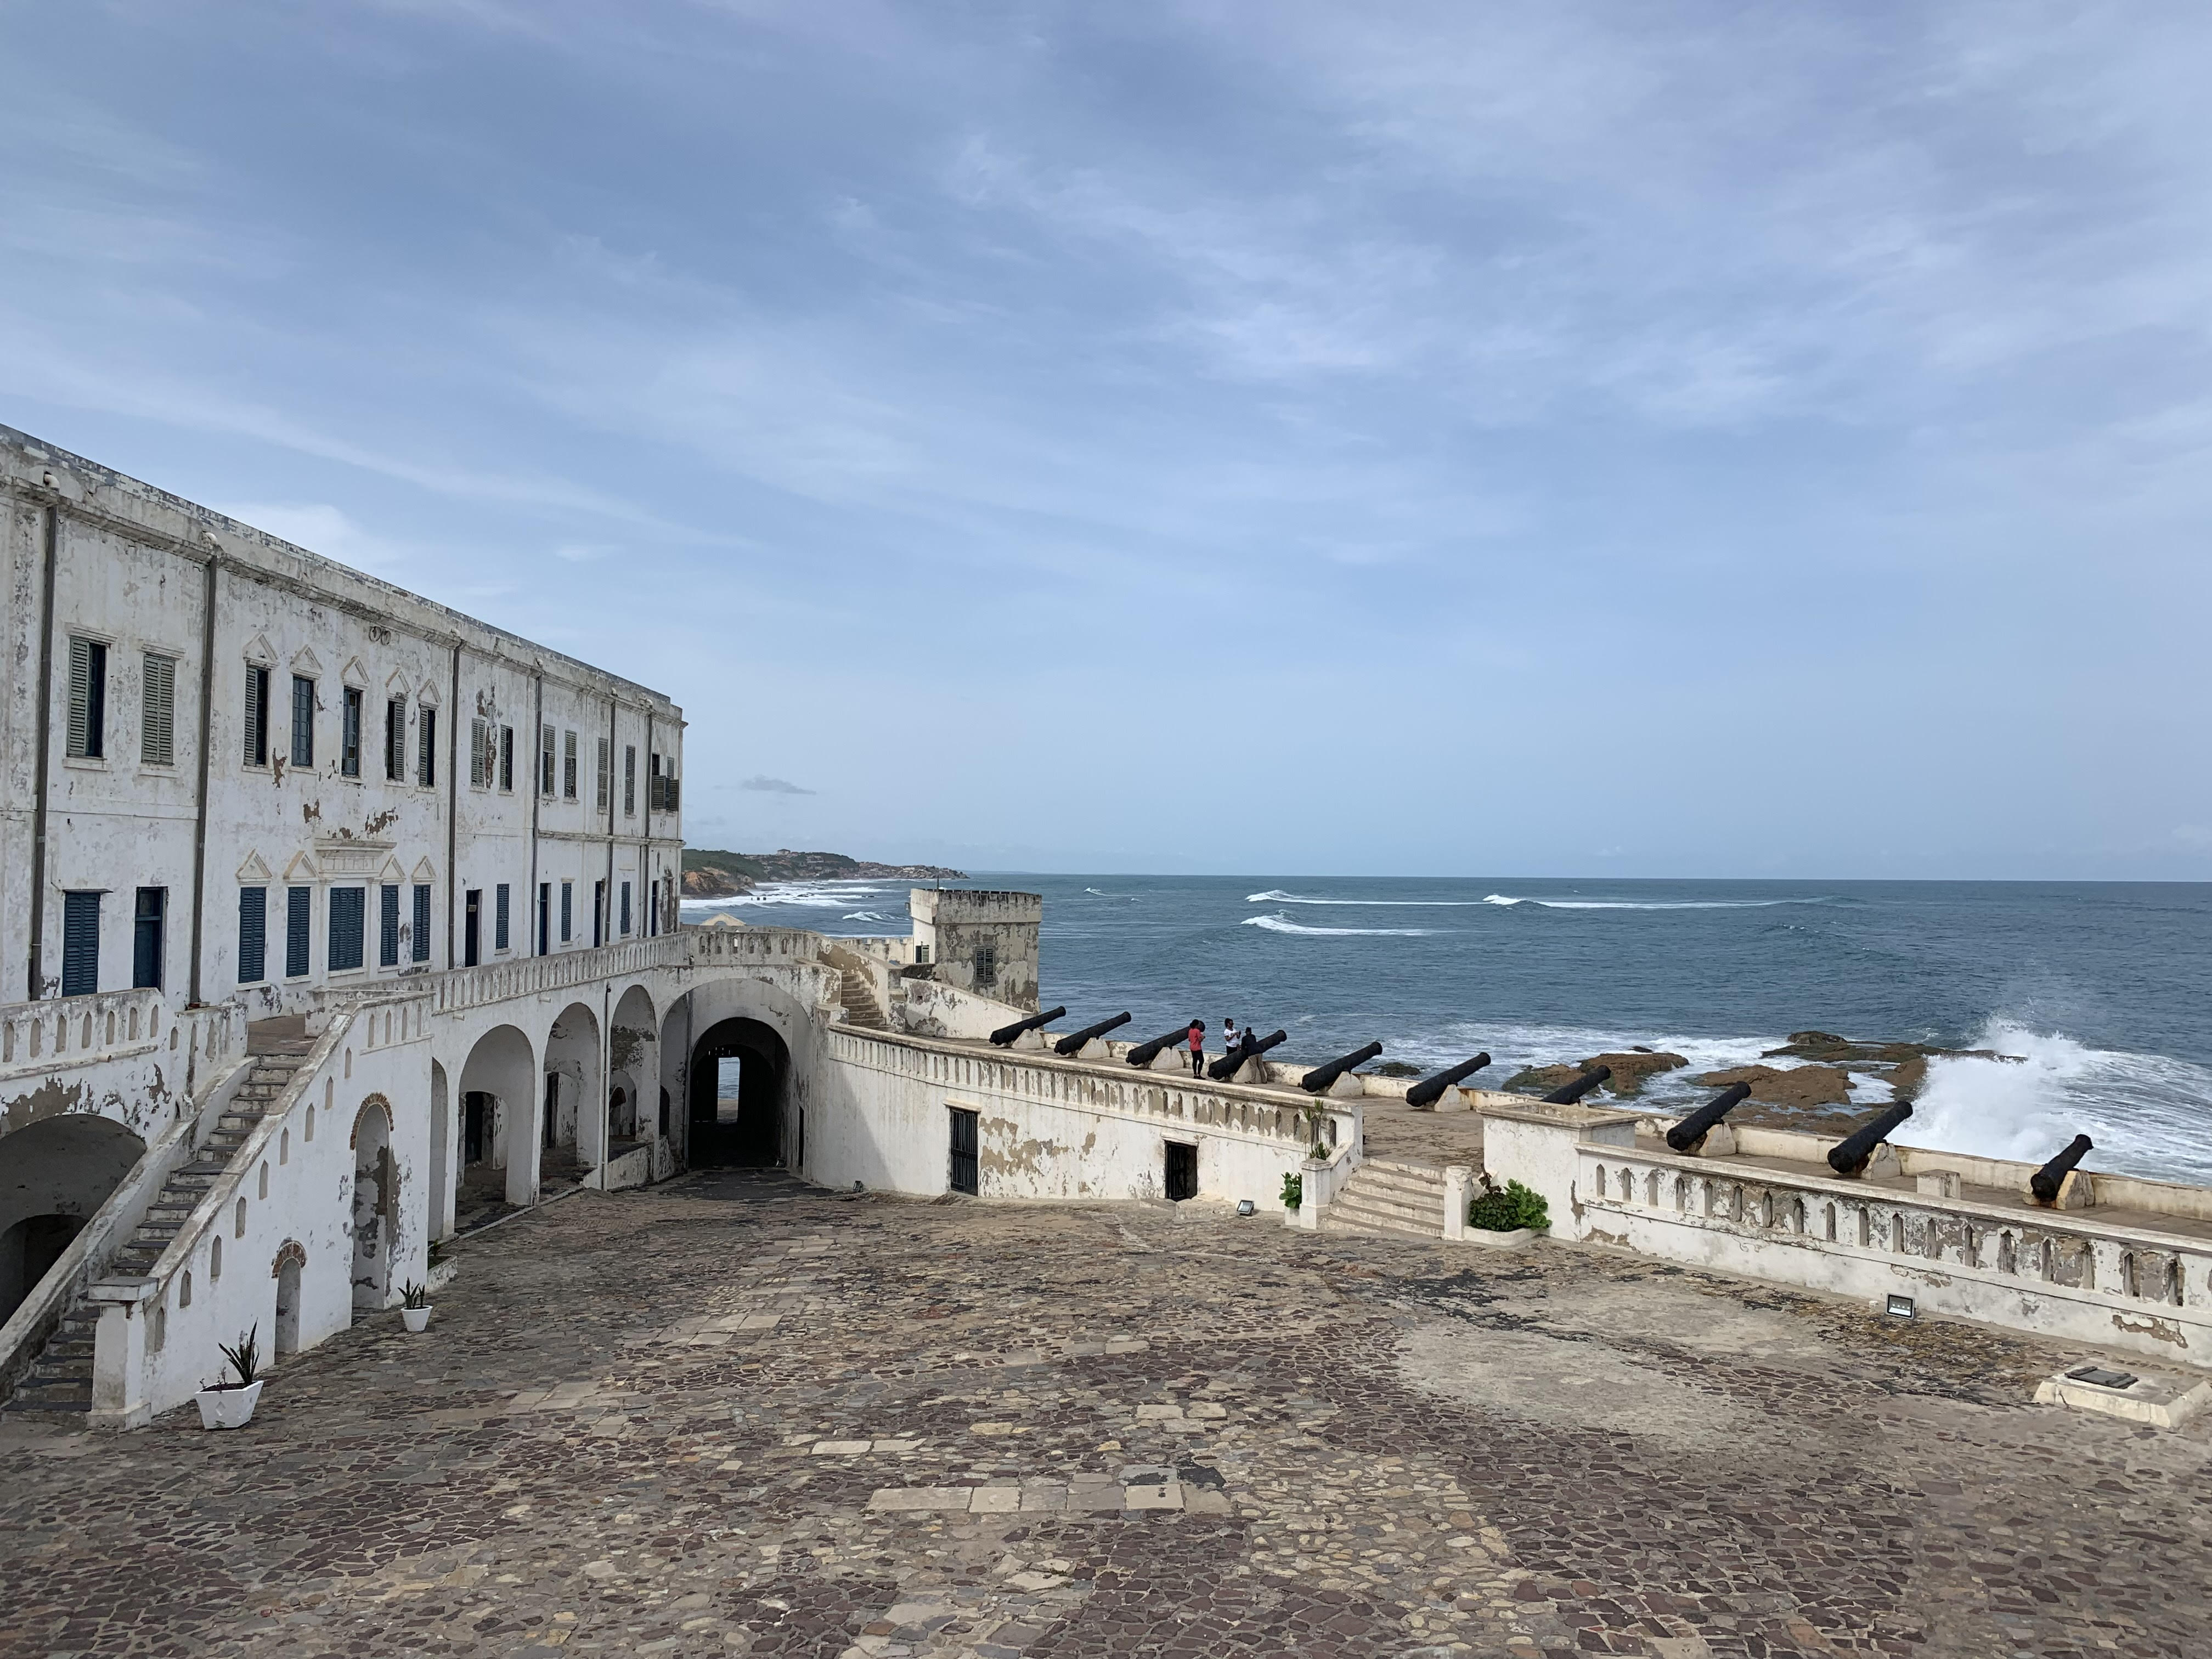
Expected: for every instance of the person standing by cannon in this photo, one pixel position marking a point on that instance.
(1228, 1036)
(1198, 1048)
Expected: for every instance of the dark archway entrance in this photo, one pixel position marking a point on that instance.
(737, 1109)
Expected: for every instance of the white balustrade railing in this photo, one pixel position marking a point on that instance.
(497, 981)
(78, 1030)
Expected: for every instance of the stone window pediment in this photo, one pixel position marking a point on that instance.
(254, 870)
(346, 856)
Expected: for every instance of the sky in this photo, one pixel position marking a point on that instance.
(1673, 439)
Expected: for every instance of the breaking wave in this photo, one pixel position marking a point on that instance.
(1648, 904)
(806, 895)
(861, 915)
(1284, 924)
(1275, 897)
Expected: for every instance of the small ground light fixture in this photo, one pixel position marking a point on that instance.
(1245, 1207)
(1901, 1306)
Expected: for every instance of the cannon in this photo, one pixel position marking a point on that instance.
(1006, 1034)
(1568, 1094)
(1145, 1052)
(2045, 1182)
(1073, 1042)
(1685, 1136)
(1317, 1081)
(1225, 1068)
(1431, 1090)
(1849, 1156)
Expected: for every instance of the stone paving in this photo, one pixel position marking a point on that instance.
(732, 1416)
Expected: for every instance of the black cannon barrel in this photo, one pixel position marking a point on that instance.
(1145, 1052)
(1694, 1128)
(2045, 1182)
(1006, 1034)
(1073, 1042)
(1568, 1094)
(1849, 1156)
(1322, 1076)
(1226, 1067)
(1431, 1089)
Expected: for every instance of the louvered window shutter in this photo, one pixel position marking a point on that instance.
(426, 772)
(297, 917)
(88, 695)
(257, 705)
(253, 933)
(80, 943)
(606, 757)
(345, 945)
(479, 756)
(157, 737)
(422, 940)
(388, 944)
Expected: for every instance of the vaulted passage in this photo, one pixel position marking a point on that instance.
(740, 1072)
(54, 1177)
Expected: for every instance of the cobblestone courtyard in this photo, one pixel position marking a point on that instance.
(733, 1416)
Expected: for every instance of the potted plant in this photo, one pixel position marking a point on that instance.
(1507, 1216)
(1294, 1191)
(230, 1405)
(414, 1305)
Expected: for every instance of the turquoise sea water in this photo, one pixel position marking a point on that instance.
(2100, 987)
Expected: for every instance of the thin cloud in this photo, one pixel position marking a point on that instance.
(768, 786)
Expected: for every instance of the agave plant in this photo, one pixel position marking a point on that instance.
(245, 1359)
(414, 1294)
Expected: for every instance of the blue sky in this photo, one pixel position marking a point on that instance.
(1675, 439)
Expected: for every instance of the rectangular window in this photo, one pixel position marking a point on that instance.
(599, 914)
(499, 917)
(652, 788)
(987, 967)
(157, 722)
(347, 904)
(257, 716)
(568, 766)
(80, 943)
(479, 755)
(297, 917)
(546, 760)
(625, 909)
(148, 945)
(426, 768)
(395, 739)
(629, 780)
(422, 940)
(567, 911)
(387, 929)
(303, 720)
(544, 917)
(507, 757)
(253, 933)
(87, 700)
(600, 772)
(653, 910)
(349, 734)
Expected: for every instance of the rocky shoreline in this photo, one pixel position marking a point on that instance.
(711, 874)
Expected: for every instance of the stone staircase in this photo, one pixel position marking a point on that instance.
(1389, 1196)
(860, 1002)
(60, 1380)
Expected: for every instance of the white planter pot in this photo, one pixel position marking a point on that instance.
(1520, 1238)
(227, 1408)
(417, 1319)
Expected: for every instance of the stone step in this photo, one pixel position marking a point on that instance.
(1389, 1181)
(1424, 1217)
(1346, 1216)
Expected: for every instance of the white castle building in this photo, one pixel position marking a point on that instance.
(330, 916)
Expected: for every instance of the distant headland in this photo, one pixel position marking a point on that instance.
(708, 874)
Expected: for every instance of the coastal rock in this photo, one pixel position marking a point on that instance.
(708, 882)
(1630, 1070)
(1798, 1087)
(1903, 1065)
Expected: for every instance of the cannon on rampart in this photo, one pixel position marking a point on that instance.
(1228, 1066)
(1568, 1093)
(1317, 1081)
(2047, 1181)
(1006, 1034)
(1073, 1042)
(1850, 1156)
(1431, 1090)
(1690, 1133)
(1145, 1052)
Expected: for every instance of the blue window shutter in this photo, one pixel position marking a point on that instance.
(80, 943)
(499, 922)
(387, 943)
(345, 945)
(625, 909)
(253, 933)
(567, 908)
(422, 940)
(297, 916)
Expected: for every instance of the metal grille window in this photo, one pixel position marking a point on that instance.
(148, 925)
(479, 755)
(426, 761)
(568, 766)
(87, 700)
(257, 716)
(625, 909)
(253, 933)
(395, 739)
(298, 918)
(303, 720)
(349, 734)
(599, 772)
(422, 940)
(347, 904)
(80, 943)
(507, 757)
(567, 910)
(157, 718)
(388, 932)
(629, 780)
(546, 760)
(987, 967)
(499, 917)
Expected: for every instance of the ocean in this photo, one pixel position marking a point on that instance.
(2099, 987)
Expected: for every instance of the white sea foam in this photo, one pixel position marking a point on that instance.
(1284, 924)
(1650, 904)
(805, 894)
(862, 915)
(1274, 895)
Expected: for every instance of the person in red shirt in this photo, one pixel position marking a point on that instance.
(1197, 1047)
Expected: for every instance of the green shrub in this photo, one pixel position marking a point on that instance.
(1294, 1191)
(1503, 1209)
